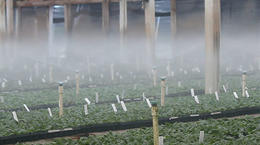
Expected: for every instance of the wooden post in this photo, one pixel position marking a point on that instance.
(61, 99)
(2, 18)
(154, 72)
(212, 36)
(155, 124)
(163, 87)
(244, 84)
(150, 32)
(105, 15)
(10, 16)
(123, 25)
(18, 19)
(67, 18)
(50, 29)
(173, 24)
(77, 83)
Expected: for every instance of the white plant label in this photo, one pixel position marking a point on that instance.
(30, 78)
(196, 99)
(2, 99)
(15, 116)
(19, 82)
(201, 139)
(217, 97)
(224, 88)
(3, 84)
(50, 113)
(161, 140)
(97, 97)
(247, 94)
(235, 94)
(117, 98)
(43, 80)
(114, 107)
(148, 103)
(166, 90)
(25, 106)
(5, 80)
(179, 83)
(87, 100)
(144, 96)
(86, 109)
(123, 106)
(192, 92)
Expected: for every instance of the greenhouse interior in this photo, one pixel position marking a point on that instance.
(130, 72)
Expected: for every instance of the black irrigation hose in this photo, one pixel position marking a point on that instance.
(124, 125)
(45, 106)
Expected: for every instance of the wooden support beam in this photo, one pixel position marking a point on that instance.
(150, 32)
(123, 26)
(2, 18)
(32, 3)
(105, 15)
(50, 29)
(18, 20)
(173, 24)
(212, 37)
(68, 18)
(10, 16)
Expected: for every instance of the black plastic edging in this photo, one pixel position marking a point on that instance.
(125, 125)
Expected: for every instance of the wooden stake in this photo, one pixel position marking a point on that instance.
(61, 99)
(155, 124)
(244, 84)
(212, 37)
(50, 29)
(77, 82)
(163, 87)
(154, 71)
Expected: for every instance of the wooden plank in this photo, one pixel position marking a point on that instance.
(105, 15)
(31, 3)
(10, 16)
(212, 37)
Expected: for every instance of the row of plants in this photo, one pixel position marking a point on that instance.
(39, 120)
(242, 131)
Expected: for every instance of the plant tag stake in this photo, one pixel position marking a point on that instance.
(161, 140)
(144, 96)
(20, 83)
(25, 106)
(235, 94)
(149, 103)
(15, 116)
(192, 92)
(224, 88)
(114, 107)
(217, 97)
(117, 97)
(86, 109)
(201, 139)
(123, 106)
(50, 113)
(247, 94)
(3, 84)
(196, 99)
(97, 96)
(87, 100)
(2, 99)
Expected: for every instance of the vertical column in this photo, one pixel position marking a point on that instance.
(150, 32)
(10, 16)
(50, 29)
(2, 31)
(212, 37)
(67, 18)
(18, 20)
(173, 24)
(123, 25)
(105, 15)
